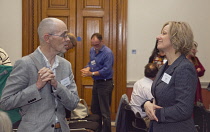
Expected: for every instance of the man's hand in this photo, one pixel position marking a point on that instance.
(53, 82)
(45, 75)
(86, 72)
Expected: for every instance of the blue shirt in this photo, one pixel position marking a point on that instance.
(101, 62)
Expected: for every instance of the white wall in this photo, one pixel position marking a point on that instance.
(145, 20)
(11, 28)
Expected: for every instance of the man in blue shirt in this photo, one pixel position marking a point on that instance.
(100, 69)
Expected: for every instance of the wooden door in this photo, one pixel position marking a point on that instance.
(92, 16)
(83, 18)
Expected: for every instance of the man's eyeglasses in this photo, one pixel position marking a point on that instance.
(63, 35)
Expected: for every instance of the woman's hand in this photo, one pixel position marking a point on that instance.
(150, 110)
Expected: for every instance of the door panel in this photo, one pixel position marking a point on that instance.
(58, 3)
(91, 25)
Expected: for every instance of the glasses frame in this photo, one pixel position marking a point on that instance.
(64, 35)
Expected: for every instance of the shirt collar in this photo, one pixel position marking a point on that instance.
(55, 64)
(148, 79)
(101, 49)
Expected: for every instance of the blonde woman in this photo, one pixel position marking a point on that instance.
(5, 122)
(175, 84)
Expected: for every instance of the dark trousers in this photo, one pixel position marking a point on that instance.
(101, 102)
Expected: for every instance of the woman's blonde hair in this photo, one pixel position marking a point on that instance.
(5, 122)
(181, 36)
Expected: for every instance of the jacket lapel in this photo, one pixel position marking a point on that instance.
(176, 63)
(158, 78)
(169, 71)
(39, 57)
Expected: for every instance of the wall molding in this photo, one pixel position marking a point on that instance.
(203, 84)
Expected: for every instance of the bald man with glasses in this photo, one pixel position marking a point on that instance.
(42, 84)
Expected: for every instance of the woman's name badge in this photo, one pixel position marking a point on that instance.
(93, 62)
(166, 78)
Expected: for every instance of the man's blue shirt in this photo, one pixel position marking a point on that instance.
(101, 62)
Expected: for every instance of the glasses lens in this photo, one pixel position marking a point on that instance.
(64, 35)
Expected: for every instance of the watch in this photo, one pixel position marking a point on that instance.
(93, 73)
